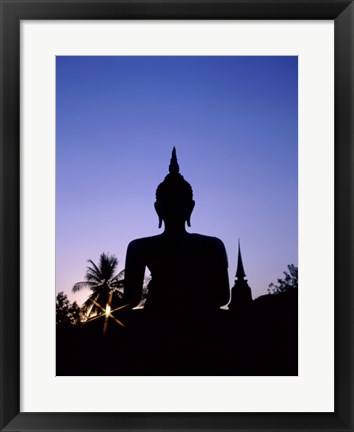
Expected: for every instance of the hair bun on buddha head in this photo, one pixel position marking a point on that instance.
(174, 188)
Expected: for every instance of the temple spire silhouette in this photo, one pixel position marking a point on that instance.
(241, 296)
(240, 272)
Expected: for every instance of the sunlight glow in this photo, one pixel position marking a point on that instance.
(108, 310)
(107, 313)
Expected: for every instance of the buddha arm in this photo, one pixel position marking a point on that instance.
(222, 277)
(134, 274)
(224, 294)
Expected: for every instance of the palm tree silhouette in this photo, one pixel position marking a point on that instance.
(106, 286)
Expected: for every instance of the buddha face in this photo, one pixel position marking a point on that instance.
(174, 213)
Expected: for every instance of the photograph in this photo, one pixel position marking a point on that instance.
(176, 216)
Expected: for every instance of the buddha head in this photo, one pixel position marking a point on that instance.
(174, 197)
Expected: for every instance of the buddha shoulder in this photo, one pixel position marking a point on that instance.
(208, 241)
(143, 243)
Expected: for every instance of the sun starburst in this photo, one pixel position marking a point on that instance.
(106, 314)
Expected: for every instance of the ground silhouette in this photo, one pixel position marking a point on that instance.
(262, 341)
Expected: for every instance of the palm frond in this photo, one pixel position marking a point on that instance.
(118, 280)
(89, 300)
(94, 269)
(97, 289)
(92, 276)
(108, 263)
(119, 292)
(84, 284)
(120, 275)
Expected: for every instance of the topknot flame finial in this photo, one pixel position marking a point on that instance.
(174, 167)
(174, 188)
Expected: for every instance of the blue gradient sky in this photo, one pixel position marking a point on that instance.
(233, 121)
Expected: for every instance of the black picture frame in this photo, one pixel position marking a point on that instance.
(12, 12)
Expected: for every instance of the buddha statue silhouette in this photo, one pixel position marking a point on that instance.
(188, 271)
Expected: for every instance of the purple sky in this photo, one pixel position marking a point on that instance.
(233, 121)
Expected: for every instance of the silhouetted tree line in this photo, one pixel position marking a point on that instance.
(67, 314)
(290, 281)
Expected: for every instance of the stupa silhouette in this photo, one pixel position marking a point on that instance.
(241, 296)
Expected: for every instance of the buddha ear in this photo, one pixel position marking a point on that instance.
(190, 213)
(157, 209)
